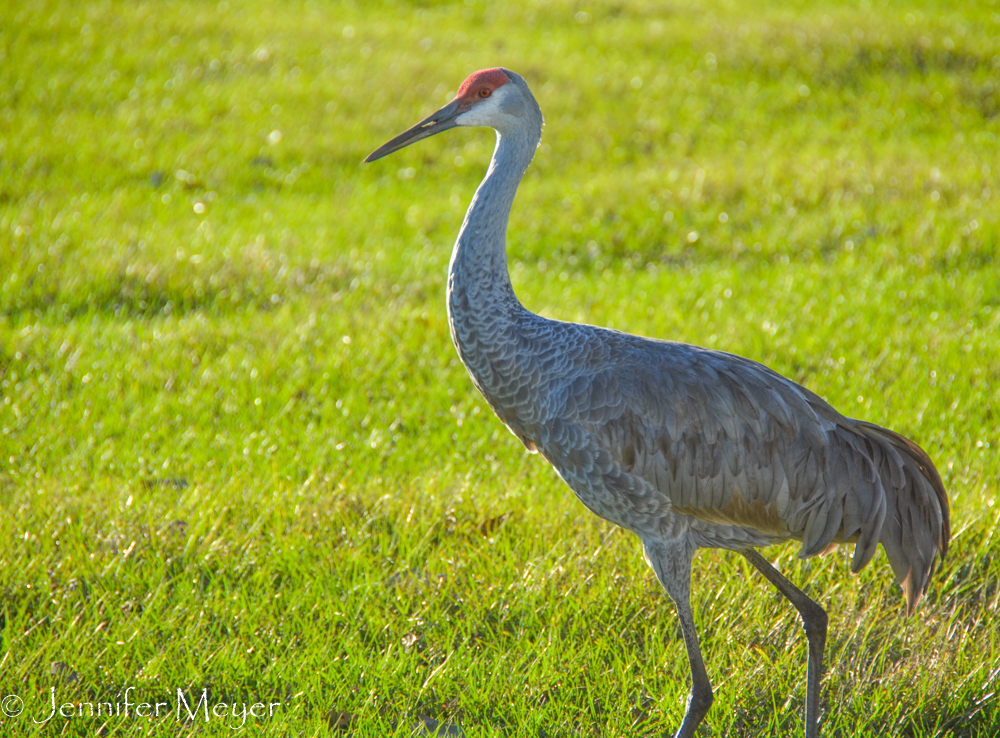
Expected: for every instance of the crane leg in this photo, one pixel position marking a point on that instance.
(672, 563)
(814, 620)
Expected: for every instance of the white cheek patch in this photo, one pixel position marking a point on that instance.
(478, 115)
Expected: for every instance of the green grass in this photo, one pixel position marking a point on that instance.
(238, 452)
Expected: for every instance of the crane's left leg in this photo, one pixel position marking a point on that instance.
(671, 560)
(814, 620)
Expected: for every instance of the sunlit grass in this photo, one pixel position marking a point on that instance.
(237, 450)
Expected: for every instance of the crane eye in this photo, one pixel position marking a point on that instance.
(485, 92)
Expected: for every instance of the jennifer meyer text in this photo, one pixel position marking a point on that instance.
(190, 707)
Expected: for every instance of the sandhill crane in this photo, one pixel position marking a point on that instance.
(683, 446)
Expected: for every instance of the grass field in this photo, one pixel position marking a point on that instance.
(238, 451)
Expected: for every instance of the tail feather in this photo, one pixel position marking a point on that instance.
(917, 527)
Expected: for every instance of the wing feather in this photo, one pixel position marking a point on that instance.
(745, 454)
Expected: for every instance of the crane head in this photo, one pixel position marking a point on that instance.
(478, 103)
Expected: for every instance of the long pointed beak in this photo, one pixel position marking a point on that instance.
(442, 120)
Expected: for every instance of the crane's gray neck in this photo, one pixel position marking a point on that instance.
(481, 301)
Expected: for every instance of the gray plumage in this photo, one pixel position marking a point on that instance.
(683, 446)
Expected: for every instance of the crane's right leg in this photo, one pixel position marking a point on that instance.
(814, 621)
(671, 560)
